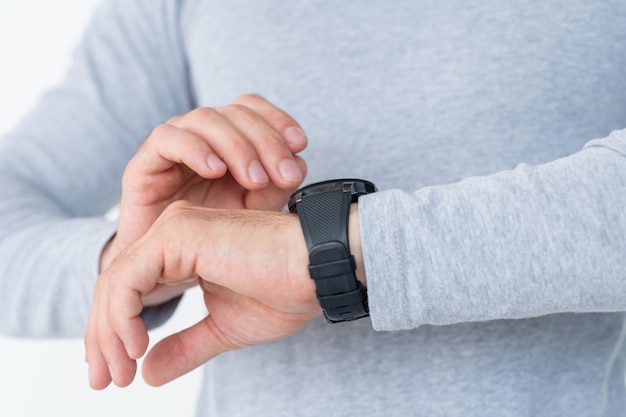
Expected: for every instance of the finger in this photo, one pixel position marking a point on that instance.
(169, 145)
(99, 375)
(163, 293)
(272, 148)
(278, 119)
(125, 305)
(182, 352)
(121, 368)
(273, 197)
(105, 353)
(229, 143)
(120, 334)
(188, 349)
(159, 257)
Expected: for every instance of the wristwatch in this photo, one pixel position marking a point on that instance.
(323, 209)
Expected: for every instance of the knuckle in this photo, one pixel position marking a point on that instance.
(174, 217)
(249, 98)
(177, 208)
(272, 114)
(158, 133)
(160, 130)
(174, 119)
(240, 112)
(201, 113)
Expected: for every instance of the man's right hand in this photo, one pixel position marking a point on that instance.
(239, 156)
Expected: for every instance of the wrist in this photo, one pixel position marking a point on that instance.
(354, 240)
(333, 241)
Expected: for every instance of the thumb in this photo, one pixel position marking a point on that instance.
(182, 352)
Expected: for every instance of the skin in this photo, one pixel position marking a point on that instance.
(240, 156)
(250, 261)
(252, 268)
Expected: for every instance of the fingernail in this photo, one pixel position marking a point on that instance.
(256, 173)
(215, 163)
(290, 171)
(295, 136)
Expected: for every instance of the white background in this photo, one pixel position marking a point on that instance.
(49, 377)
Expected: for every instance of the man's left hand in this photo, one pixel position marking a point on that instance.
(252, 266)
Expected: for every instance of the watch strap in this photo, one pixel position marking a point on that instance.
(324, 221)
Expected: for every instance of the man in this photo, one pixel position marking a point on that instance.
(498, 220)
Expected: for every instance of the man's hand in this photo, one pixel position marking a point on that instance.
(252, 266)
(238, 156)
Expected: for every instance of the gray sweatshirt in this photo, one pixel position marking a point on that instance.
(495, 252)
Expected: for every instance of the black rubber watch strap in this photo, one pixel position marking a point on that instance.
(324, 218)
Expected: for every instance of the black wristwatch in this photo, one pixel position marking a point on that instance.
(323, 209)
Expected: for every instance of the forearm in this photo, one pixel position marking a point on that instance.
(48, 271)
(521, 243)
(61, 168)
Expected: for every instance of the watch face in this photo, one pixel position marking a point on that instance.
(355, 187)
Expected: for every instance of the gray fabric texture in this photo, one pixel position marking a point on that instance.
(494, 252)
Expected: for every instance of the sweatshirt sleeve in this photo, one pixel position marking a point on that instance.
(61, 167)
(528, 242)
